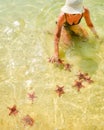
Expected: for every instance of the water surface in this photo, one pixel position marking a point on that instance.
(26, 33)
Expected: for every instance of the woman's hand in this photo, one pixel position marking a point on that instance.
(94, 32)
(55, 59)
(96, 36)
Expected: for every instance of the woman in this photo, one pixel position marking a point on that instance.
(68, 22)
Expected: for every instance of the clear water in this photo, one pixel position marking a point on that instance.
(26, 43)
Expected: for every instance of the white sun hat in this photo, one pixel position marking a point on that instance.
(73, 7)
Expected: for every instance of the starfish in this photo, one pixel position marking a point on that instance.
(85, 77)
(28, 120)
(60, 61)
(79, 85)
(82, 76)
(89, 80)
(59, 90)
(32, 96)
(67, 66)
(13, 110)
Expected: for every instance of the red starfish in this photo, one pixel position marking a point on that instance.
(28, 120)
(79, 85)
(89, 80)
(32, 96)
(13, 110)
(67, 66)
(82, 76)
(60, 61)
(60, 90)
(85, 77)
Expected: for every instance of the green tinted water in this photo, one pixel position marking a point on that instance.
(26, 33)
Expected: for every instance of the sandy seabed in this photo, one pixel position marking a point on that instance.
(28, 100)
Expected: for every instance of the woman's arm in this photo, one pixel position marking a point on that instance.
(57, 35)
(86, 15)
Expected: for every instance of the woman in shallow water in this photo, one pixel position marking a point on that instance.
(68, 23)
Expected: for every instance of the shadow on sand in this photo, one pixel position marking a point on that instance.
(87, 52)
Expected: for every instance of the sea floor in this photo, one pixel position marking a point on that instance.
(36, 94)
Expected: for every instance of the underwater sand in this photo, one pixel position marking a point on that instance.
(26, 43)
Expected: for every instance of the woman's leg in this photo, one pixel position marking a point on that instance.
(79, 30)
(66, 36)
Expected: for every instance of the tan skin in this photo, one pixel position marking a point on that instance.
(70, 19)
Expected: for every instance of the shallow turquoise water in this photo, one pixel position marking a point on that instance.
(26, 33)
